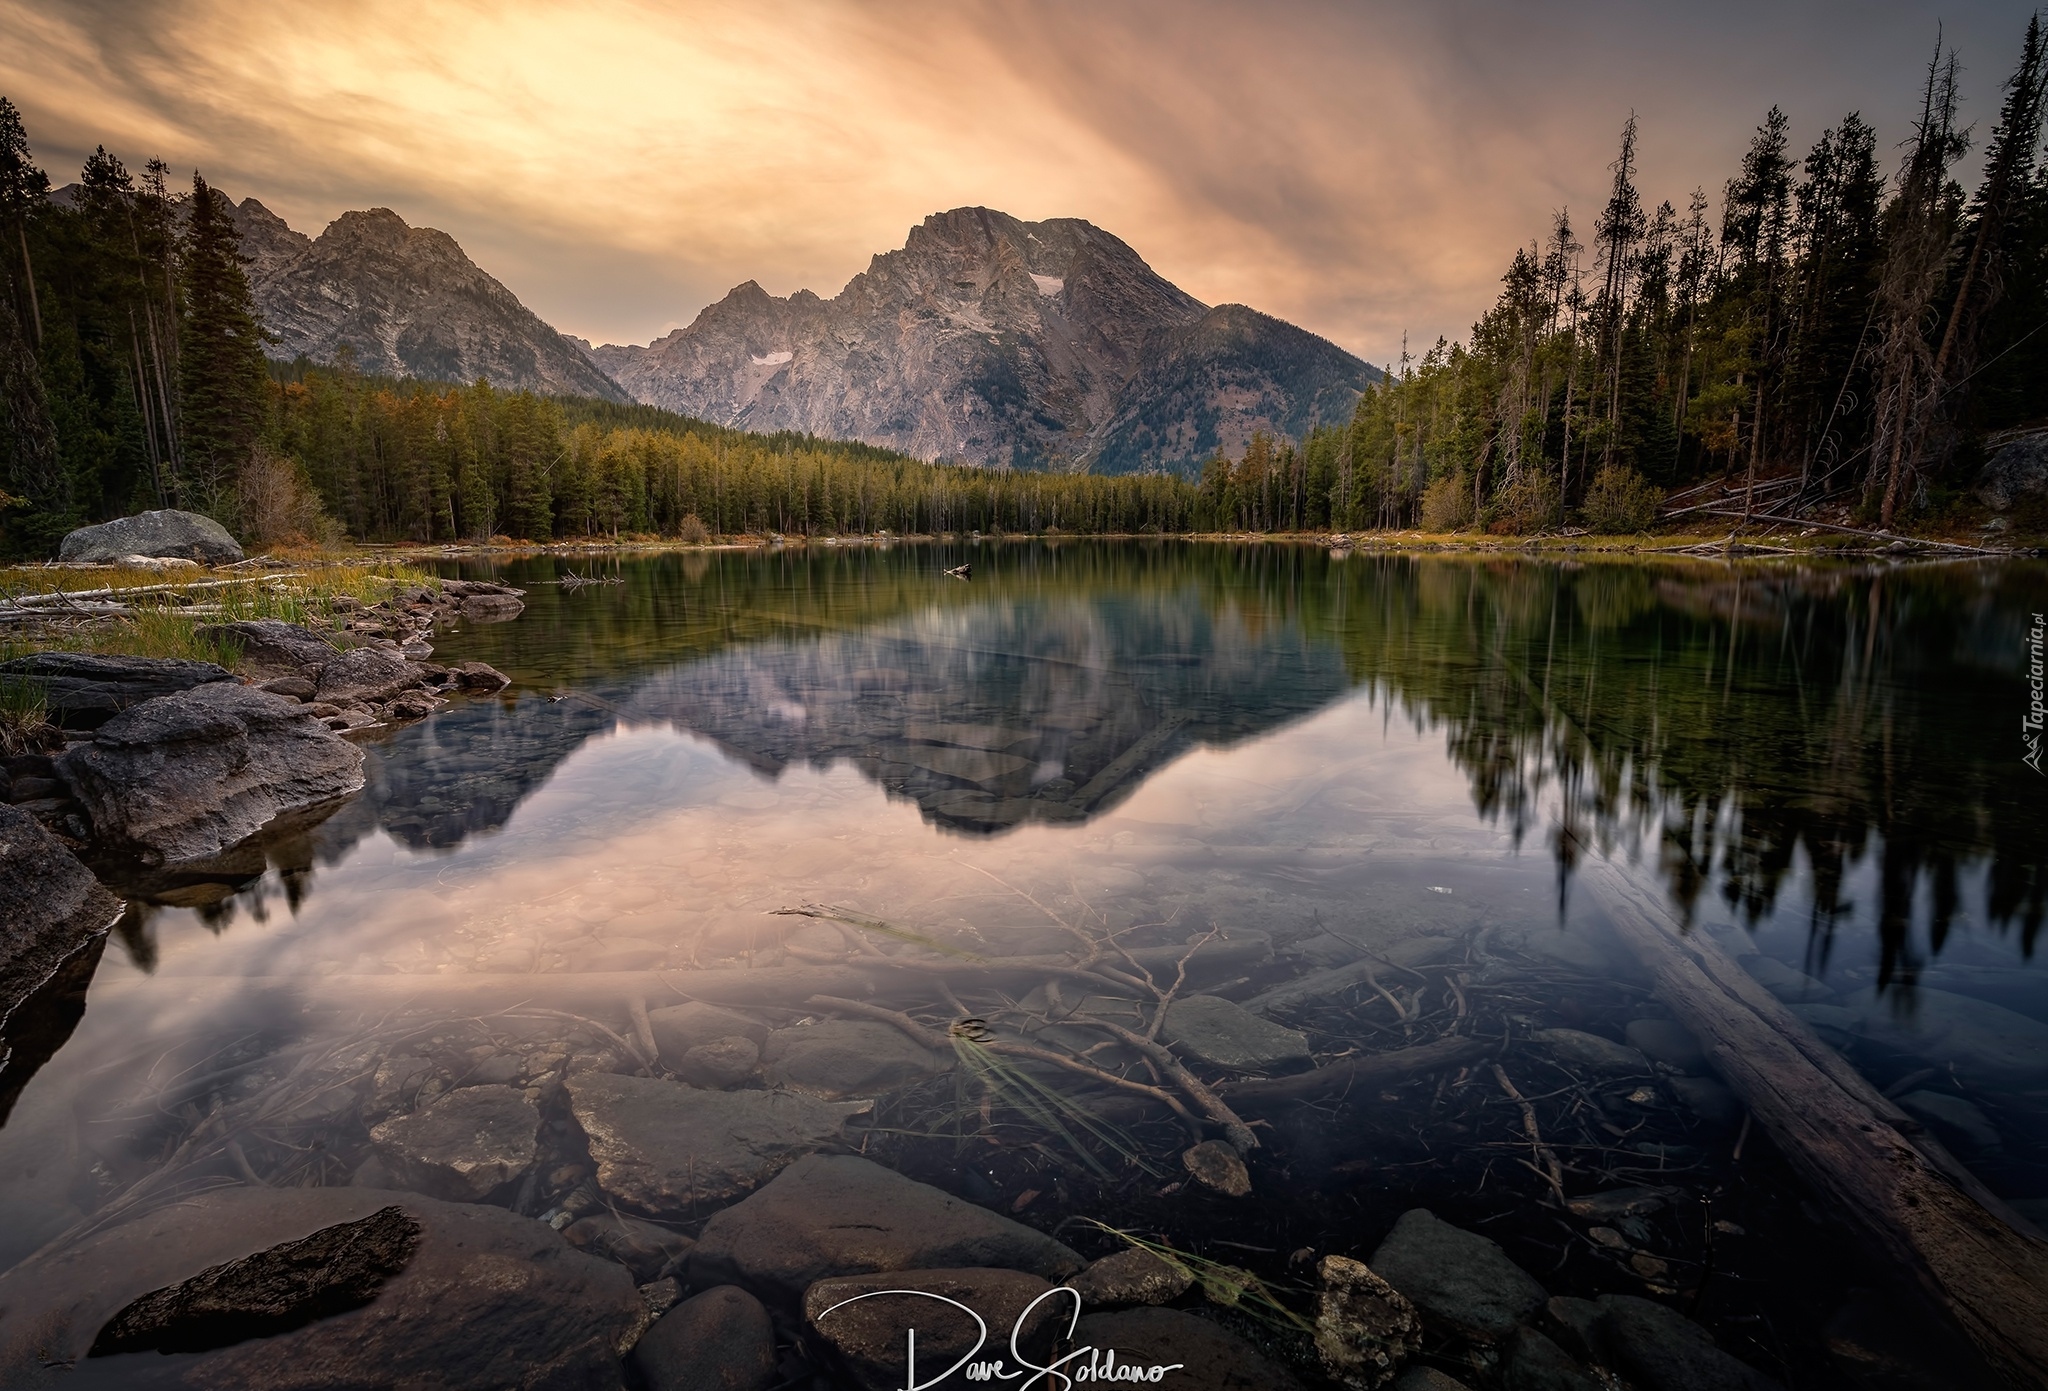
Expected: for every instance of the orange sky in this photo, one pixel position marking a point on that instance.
(1362, 169)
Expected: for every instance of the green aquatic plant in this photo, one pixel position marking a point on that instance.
(1230, 1286)
(1047, 1107)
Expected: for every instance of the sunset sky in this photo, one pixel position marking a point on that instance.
(1363, 169)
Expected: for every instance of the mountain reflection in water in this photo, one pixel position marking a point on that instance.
(1739, 728)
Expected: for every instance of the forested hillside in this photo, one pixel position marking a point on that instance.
(1829, 334)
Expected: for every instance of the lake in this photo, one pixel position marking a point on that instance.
(1350, 793)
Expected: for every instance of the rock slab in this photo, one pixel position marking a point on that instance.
(863, 1318)
(489, 1301)
(721, 1340)
(185, 776)
(168, 534)
(273, 649)
(1210, 1029)
(842, 1215)
(290, 1285)
(845, 1057)
(663, 1147)
(51, 906)
(1456, 1278)
(1365, 1328)
(465, 1146)
(83, 690)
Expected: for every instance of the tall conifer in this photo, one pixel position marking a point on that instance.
(222, 377)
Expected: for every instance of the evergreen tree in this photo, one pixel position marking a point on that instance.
(222, 377)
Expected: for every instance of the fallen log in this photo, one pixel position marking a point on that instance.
(1352, 1074)
(1894, 1187)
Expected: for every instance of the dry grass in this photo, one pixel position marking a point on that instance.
(167, 609)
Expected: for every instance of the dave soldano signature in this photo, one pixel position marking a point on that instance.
(1084, 1364)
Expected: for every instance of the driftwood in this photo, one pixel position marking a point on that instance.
(1366, 1071)
(1911, 1204)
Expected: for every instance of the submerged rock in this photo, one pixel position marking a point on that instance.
(1218, 1166)
(186, 776)
(83, 690)
(1574, 1048)
(841, 1215)
(1953, 1117)
(334, 1270)
(663, 1147)
(1216, 1031)
(51, 907)
(1669, 1042)
(862, 1319)
(1205, 1357)
(846, 1057)
(1534, 1363)
(465, 1146)
(1365, 1328)
(723, 1062)
(1987, 1044)
(679, 1028)
(166, 534)
(1136, 1276)
(1427, 1379)
(642, 1247)
(1456, 1278)
(721, 1340)
(1659, 1349)
(488, 1301)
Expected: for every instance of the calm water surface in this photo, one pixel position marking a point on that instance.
(1361, 758)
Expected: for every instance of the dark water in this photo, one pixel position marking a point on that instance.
(1088, 748)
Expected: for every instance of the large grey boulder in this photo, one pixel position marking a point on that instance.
(83, 690)
(842, 1215)
(2016, 471)
(168, 534)
(366, 675)
(185, 776)
(1460, 1281)
(51, 906)
(487, 1300)
(663, 1147)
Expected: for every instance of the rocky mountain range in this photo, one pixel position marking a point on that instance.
(995, 341)
(406, 301)
(984, 340)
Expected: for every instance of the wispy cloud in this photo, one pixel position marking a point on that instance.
(1364, 169)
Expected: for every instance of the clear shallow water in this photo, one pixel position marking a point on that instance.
(1356, 755)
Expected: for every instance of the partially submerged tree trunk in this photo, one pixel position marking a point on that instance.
(1903, 1195)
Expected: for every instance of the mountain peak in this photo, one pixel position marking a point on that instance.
(992, 340)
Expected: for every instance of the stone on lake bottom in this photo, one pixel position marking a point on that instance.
(663, 1147)
(843, 1215)
(1136, 1276)
(722, 1062)
(1575, 1048)
(464, 1146)
(1365, 1328)
(334, 1270)
(1533, 1362)
(1216, 1165)
(846, 1057)
(863, 1321)
(1660, 1349)
(1221, 1033)
(1427, 1379)
(489, 1300)
(720, 1340)
(1208, 1357)
(679, 1028)
(642, 1247)
(1456, 1278)
(1669, 1042)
